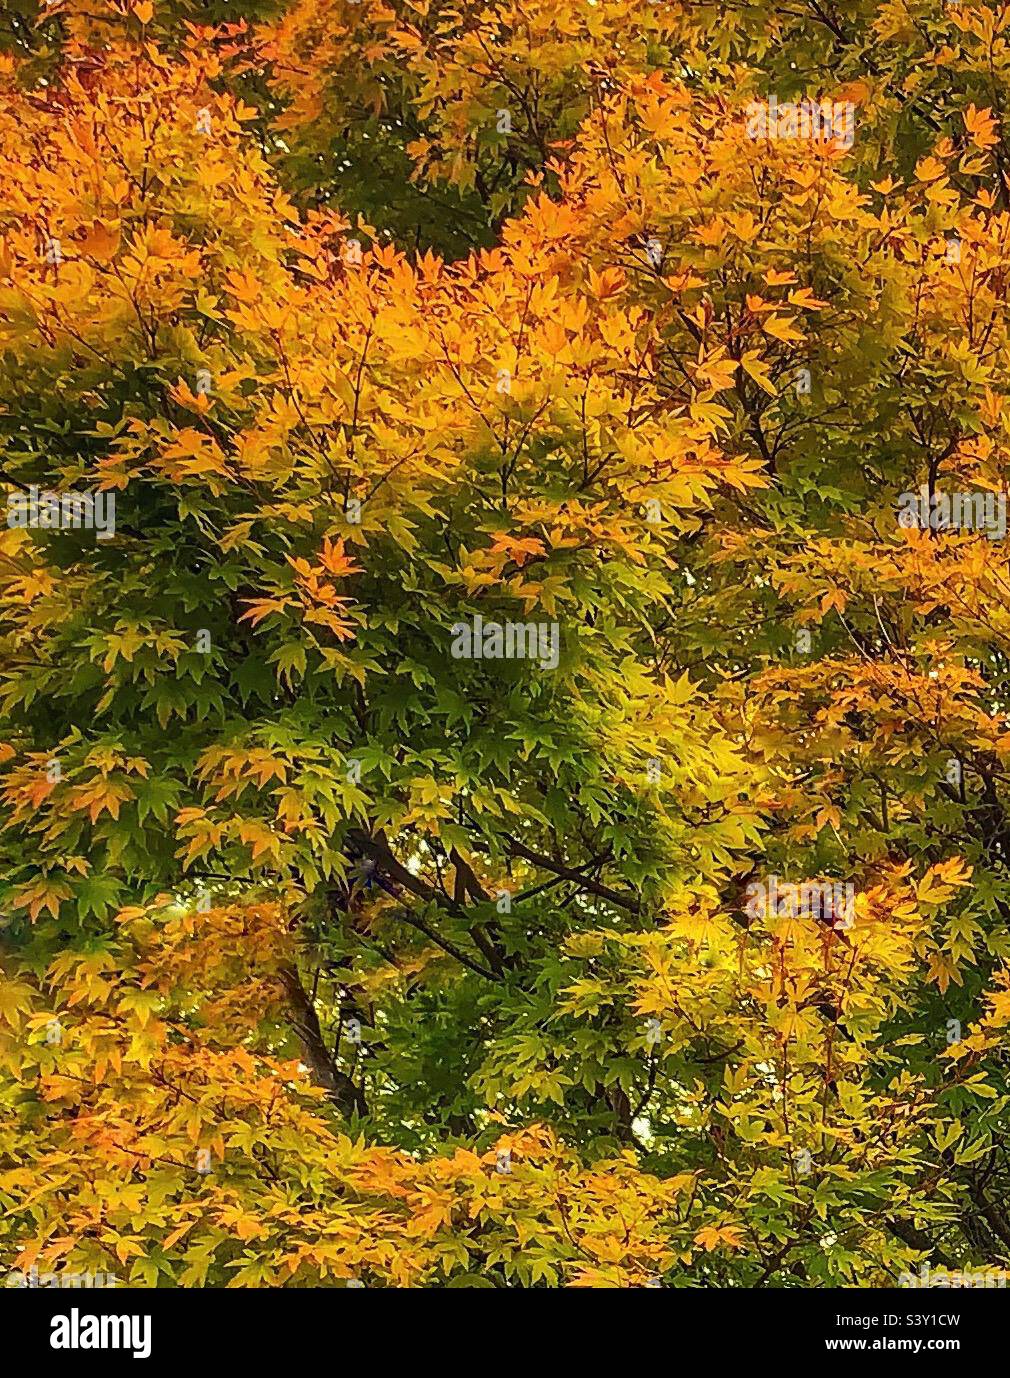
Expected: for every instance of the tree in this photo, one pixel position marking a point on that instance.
(509, 802)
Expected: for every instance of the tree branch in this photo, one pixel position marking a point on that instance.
(340, 1089)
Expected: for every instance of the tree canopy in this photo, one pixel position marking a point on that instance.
(423, 817)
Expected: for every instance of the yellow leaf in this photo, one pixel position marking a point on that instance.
(754, 368)
(712, 1236)
(100, 241)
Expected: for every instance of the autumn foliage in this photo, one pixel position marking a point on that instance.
(329, 956)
